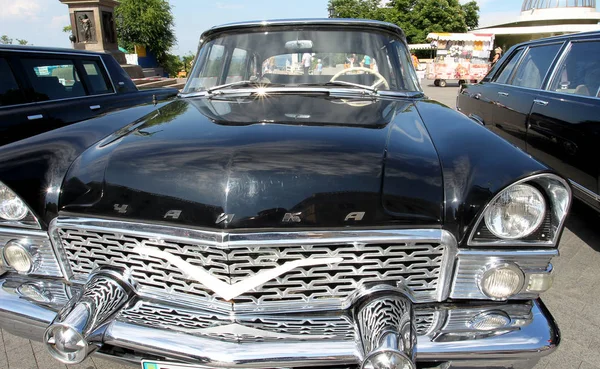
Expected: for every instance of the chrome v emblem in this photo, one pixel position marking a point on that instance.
(226, 290)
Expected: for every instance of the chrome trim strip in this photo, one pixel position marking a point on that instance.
(502, 242)
(584, 190)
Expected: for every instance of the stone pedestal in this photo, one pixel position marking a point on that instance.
(93, 25)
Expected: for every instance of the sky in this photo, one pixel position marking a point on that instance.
(41, 21)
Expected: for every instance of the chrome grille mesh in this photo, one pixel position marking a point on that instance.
(273, 327)
(416, 265)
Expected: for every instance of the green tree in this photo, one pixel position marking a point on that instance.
(188, 60)
(22, 42)
(416, 17)
(471, 10)
(148, 23)
(67, 29)
(437, 16)
(172, 64)
(5, 40)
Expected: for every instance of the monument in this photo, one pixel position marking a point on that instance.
(93, 26)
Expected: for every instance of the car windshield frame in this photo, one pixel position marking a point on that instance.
(219, 46)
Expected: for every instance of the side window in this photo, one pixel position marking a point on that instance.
(96, 78)
(535, 65)
(53, 79)
(10, 94)
(509, 67)
(237, 66)
(579, 72)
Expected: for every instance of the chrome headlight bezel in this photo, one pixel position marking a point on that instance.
(557, 194)
(29, 221)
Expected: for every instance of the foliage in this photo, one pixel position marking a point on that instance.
(5, 40)
(148, 23)
(188, 60)
(471, 10)
(67, 29)
(416, 17)
(172, 64)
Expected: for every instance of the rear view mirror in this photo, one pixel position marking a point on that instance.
(297, 45)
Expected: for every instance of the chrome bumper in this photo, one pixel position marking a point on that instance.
(28, 313)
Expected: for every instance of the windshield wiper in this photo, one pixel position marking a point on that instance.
(247, 83)
(342, 83)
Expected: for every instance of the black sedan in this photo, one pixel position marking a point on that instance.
(323, 213)
(544, 97)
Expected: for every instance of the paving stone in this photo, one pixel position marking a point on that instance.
(45, 360)
(112, 364)
(87, 364)
(21, 357)
(585, 365)
(3, 357)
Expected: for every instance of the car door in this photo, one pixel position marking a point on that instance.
(16, 111)
(514, 96)
(478, 101)
(60, 85)
(564, 125)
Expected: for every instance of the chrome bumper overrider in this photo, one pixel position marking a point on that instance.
(383, 322)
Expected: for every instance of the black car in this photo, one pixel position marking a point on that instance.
(280, 218)
(544, 97)
(42, 89)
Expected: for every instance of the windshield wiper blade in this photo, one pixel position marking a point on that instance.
(342, 83)
(244, 84)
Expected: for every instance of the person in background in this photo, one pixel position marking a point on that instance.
(366, 62)
(497, 55)
(415, 60)
(306, 59)
(319, 67)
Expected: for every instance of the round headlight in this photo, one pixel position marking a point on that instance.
(11, 206)
(17, 257)
(516, 213)
(501, 282)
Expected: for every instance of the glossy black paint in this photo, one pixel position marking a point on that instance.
(312, 156)
(476, 164)
(561, 129)
(14, 122)
(35, 167)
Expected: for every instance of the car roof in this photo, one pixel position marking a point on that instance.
(347, 22)
(589, 34)
(57, 50)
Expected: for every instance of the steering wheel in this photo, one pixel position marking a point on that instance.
(380, 79)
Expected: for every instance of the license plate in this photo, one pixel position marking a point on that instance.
(166, 365)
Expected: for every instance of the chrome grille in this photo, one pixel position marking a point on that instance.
(273, 327)
(398, 261)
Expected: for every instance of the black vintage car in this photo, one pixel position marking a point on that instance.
(293, 216)
(544, 97)
(42, 89)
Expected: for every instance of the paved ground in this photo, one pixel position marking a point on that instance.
(573, 300)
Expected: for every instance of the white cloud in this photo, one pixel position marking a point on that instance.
(21, 9)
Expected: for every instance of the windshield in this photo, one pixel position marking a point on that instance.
(305, 56)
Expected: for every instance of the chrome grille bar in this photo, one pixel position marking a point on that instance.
(414, 260)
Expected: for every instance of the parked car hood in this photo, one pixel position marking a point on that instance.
(281, 161)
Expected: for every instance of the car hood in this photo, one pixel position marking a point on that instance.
(280, 161)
